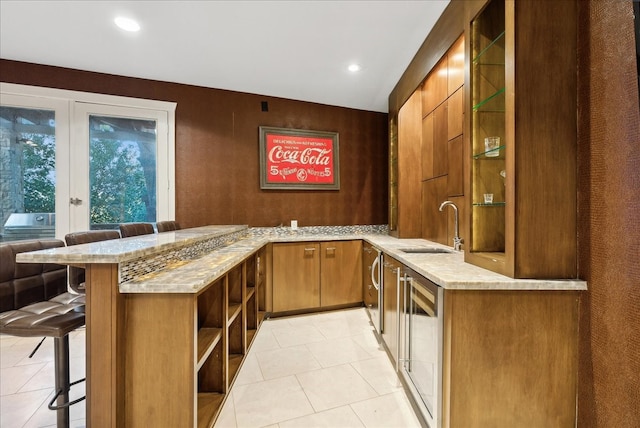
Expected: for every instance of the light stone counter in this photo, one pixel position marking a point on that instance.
(126, 249)
(184, 275)
(447, 270)
(450, 271)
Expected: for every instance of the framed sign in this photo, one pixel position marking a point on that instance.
(298, 159)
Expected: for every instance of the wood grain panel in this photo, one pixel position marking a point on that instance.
(455, 186)
(340, 272)
(427, 147)
(105, 340)
(153, 322)
(546, 139)
(296, 276)
(435, 87)
(455, 66)
(511, 358)
(440, 156)
(434, 226)
(409, 168)
(455, 118)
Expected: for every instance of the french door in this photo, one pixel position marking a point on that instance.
(73, 161)
(118, 152)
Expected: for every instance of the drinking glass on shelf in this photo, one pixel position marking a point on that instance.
(492, 147)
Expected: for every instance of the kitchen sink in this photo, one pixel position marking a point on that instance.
(426, 250)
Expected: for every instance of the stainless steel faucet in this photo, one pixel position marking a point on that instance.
(457, 241)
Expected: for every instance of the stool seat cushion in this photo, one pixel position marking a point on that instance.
(34, 300)
(48, 318)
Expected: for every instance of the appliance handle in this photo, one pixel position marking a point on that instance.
(408, 285)
(374, 267)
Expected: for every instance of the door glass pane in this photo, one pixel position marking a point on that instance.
(122, 171)
(27, 173)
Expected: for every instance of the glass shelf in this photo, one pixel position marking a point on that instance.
(488, 105)
(485, 53)
(493, 204)
(483, 155)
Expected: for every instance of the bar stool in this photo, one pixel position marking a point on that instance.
(34, 302)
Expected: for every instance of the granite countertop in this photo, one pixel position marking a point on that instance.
(447, 270)
(125, 249)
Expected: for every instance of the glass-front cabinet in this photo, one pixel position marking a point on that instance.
(522, 135)
(488, 137)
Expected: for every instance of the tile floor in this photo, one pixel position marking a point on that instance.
(318, 370)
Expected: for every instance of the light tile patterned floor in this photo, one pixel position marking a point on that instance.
(317, 370)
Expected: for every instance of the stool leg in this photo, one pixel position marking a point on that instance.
(61, 346)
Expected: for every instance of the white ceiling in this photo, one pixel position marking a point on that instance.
(291, 49)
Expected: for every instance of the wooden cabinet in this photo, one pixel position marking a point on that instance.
(409, 170)
(430, 151)
(340, 273)
(313, 275)
(521, 93)
(510, 358)
(296, 276)
(192, 347)
(507, 358)
(391, 310)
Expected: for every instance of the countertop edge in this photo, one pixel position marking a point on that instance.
(448, 271)
(427, 265)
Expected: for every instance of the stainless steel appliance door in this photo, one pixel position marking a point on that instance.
(422, 367)
(372, 291)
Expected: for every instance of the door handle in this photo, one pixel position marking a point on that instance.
(331, 251)
(75, 201)
(309, 251)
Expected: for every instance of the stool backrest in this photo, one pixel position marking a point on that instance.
(22, 284)
(136, 229)
(167, 226)
(76, 274)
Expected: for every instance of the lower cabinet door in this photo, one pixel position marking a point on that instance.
(341, 272)
(296, 276)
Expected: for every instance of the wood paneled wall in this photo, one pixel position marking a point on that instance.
(217, 162)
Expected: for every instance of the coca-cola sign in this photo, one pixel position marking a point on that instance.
(298, 159)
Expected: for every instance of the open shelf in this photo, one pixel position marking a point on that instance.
(250, 292)
(234, 311)
(209, 404)
(235, 360)
(208, 338)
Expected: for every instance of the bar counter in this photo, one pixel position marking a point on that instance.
(144, 294)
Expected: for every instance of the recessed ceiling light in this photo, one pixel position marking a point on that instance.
(354, 67)
(127, 24)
